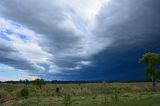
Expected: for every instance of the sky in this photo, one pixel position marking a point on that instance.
(77, 39)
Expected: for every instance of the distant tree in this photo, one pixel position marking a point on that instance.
(152, 60)
(39, 82)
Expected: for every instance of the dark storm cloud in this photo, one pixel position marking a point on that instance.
(123, 30)
(133, 27)
(129, 22)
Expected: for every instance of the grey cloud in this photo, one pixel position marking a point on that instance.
(46, 18)
(4, 47)
(124, 23)
(129, 22)
(11, 57)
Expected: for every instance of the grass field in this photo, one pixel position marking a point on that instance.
(95, 94)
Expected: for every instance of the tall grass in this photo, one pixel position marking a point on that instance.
(67, 100)
(115, 96)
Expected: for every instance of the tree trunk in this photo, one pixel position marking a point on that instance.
(154, 82)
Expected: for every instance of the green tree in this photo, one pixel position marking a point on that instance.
(39, 82)
(152, 60)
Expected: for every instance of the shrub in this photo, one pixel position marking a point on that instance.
(39, 82)
(10, 88)
(24, 92)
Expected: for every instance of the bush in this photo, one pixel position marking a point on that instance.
(39, 82)
(10, 88)
(24, 92)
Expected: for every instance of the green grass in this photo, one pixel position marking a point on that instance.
(100, 94)
(149, 101)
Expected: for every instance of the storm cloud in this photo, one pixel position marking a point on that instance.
(63, 41)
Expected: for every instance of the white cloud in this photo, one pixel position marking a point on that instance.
(85, 63)
(56, 32)
(57, 70)
(29, 50)
(86, 10)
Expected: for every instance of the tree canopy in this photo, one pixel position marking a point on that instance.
(153, 61)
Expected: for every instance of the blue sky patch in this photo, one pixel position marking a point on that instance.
(10, 32)
(4, 36)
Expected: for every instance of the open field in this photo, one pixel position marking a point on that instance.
(93, 94)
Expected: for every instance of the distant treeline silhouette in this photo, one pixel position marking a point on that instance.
(77, 82)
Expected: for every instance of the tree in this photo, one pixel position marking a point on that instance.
(152, 60)
(39, 82)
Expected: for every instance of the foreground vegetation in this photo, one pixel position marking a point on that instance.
(96, 94)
